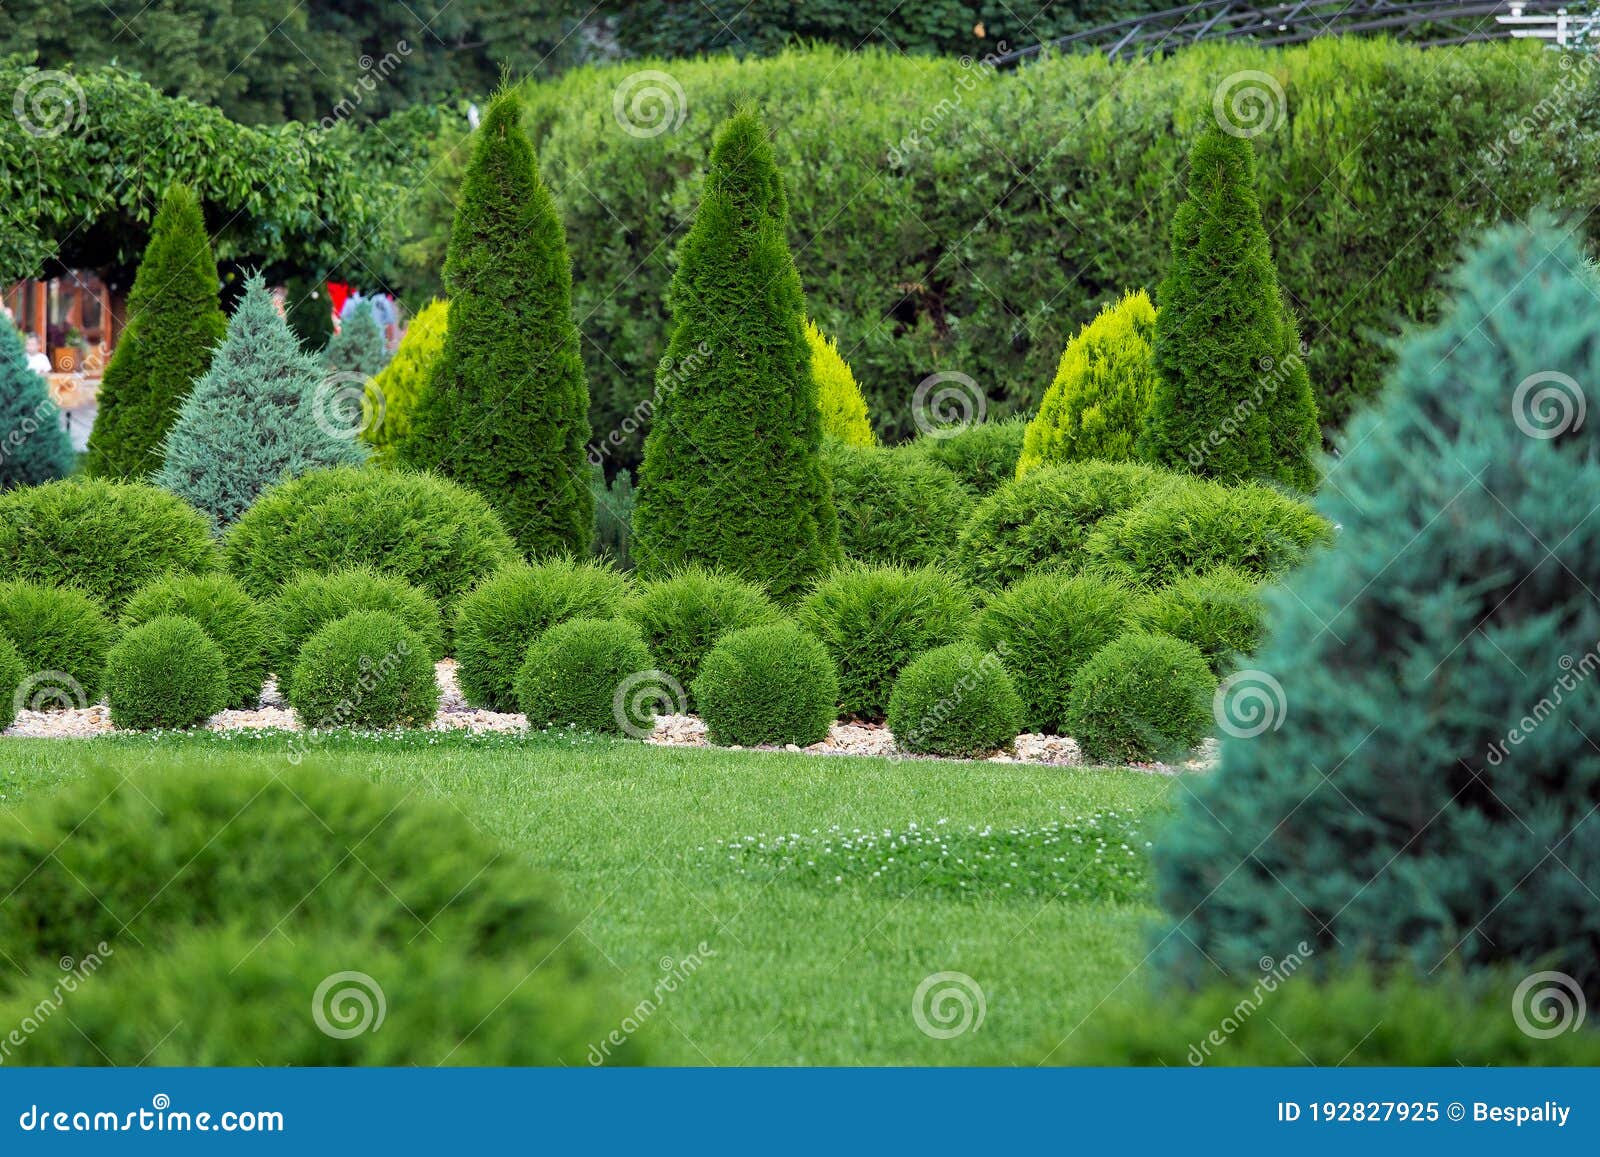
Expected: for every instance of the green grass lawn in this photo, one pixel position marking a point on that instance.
(812, 960)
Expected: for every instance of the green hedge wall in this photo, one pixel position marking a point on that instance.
(948, 217)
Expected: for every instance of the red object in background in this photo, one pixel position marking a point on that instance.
(338, 291)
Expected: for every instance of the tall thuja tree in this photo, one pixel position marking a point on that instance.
(1422, 777)
(392, 395)
(33, 446)
(733, 475)
(174, 322)
(507, 410)
(1233, 399)
(359, 346)
(265, 410)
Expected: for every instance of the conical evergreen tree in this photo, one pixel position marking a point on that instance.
(264, 411)
(358, 347)
(1422, 778)
(507, 412)
(843, 409)
(33, 446)
(733, 475)
(310, 314)
(1233, 399)
(393, 395)
(174, 324)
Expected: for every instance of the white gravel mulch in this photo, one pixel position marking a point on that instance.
(455, 714)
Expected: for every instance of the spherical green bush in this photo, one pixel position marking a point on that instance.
(1040, 521)
(310, 602)
(1203, 525)
(165, 673)
(236, 623)
(1141, 698)
(426, 530)
(365, 670)
(894, 507)
(1221, 611)
(875, 619)
(767, 685)
(982, 457)
(62, 637)
(241, 897)
(592, 674)
(684, 615)
(955, 701)
(1046, 627)
(12, 672)
(503, 615)
(106, 538)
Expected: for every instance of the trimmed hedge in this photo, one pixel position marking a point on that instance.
(166, 673)
(504, 614)
(982, 456)
(683, 616)
(426, 530)
(229, 617)
(106, 538)
(12, 673)
(1044, 628)
(955, 701)
(1041, 521)
(1223, 612)
(1369, 182)
(307, 604)
(61, 636)
(1141, 698)
(1202, 525)
(366, 670)
(576, 675)
(767, 685)
(875, 619)
(895, 507)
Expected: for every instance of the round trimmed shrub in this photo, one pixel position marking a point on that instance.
(12, 672)
(683, 616)
(367, 670)
(62, 637)
(894, 507)
(574, 672)
(982, 457)
(1046, 627)
(1141, 698)
(875, 619)
(1221, 611)
(502, 616)
(307, 604)
(1040, 521)
(426, 530)
(166, 673)
(767, 685)
(232, 850)
(232, 619)
(1202, 525)
(106, 538)
(956, 701)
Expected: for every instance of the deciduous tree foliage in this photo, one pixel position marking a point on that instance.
(733, 475)
(1421, 781)
(507, 412)
(174, 323)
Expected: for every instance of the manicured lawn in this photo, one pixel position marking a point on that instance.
(805, 967)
